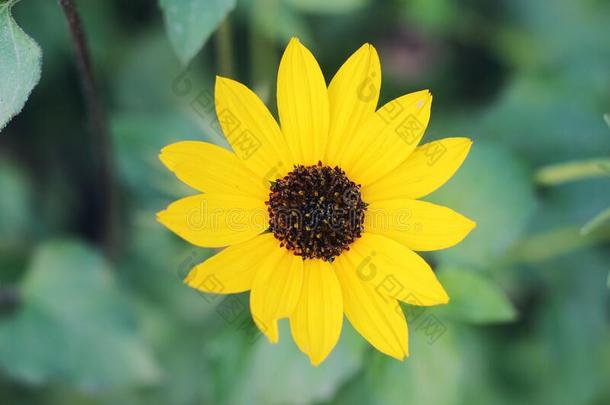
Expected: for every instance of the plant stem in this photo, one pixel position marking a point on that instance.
(224, 48)
(262, 51)
(596, 222)
(573, 171)
(9, 298)
(98, 125)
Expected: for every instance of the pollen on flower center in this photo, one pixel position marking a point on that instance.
(316, 211)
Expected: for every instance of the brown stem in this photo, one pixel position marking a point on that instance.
(98, 125)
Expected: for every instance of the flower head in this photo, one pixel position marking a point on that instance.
(319, 215)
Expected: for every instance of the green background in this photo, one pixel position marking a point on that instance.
(528, 81)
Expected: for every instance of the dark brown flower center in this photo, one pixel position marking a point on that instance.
(316, 212)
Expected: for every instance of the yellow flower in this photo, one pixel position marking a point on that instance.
(319, 215)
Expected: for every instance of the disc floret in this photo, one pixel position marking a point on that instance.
(316, 211)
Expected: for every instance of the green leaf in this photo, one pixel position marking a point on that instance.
(607, 118)
(190, 23)
(73, 325)
(284, 360)
(20, 60)
(494, 189)
(327, 7)
(474, 298)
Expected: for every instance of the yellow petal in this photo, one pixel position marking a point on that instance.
(425, 170)
(233, 270)
(251, 130)
(396, 271)
(418, 225)
(276, 290)
(377, 317)
(387, 137)
(317, 319)
(302, 101)
(352, 94)
(211, 169)
(215, 220)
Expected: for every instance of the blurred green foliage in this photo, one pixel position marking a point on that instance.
(74, 326)
(528, 322)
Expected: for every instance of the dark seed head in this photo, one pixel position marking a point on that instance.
(316, 212)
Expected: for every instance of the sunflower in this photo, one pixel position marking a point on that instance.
(319, 215)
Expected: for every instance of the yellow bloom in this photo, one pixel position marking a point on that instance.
(319, 215)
